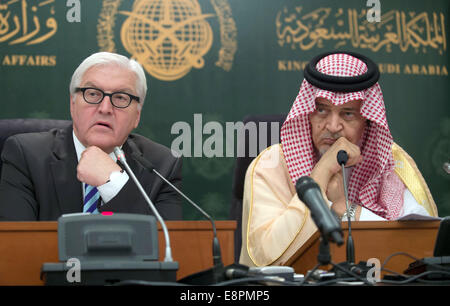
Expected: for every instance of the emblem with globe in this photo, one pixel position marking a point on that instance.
(168, 37)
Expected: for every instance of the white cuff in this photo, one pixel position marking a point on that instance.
(110, 189)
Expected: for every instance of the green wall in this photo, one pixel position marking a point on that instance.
(247, 57)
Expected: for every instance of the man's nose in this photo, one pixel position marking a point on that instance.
(334, 123)
(106, 105)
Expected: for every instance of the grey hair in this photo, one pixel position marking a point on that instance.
(108, 58)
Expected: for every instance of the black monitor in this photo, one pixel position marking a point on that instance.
(442, 245)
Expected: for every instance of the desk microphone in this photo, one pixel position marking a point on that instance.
(349, 267)
(121, 158)
(342, 158)
(309, 192)
(217, 257)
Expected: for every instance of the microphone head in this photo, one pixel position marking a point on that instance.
(342, 157)
(303, 184)
(446, 167)
(119, 154)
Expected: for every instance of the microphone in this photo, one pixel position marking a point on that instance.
(121, 158)
(217, 257)
(309, 193)
(342, 158)
(446, 167)
(234, 273)
(349, 267)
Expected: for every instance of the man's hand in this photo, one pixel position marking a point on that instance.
(335, 188)
(328, 166)
(335, 193)
(339, 208)
(95, 167)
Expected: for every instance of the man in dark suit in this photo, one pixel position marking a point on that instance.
(70, 170)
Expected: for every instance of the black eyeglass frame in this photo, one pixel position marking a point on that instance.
(83, 90)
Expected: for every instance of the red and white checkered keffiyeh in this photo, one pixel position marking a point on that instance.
(373, 183)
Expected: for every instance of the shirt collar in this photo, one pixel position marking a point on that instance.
(79, 148)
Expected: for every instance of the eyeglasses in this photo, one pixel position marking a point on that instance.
(96, 96)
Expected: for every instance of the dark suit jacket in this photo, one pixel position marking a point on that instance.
(39, 180)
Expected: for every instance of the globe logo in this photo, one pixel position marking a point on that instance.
(168, 37)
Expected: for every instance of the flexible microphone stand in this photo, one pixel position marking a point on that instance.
(342, 158)
(209, 276)
(121, 158)
(348, 268)
(217, 257)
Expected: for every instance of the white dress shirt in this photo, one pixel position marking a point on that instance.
(110, 189)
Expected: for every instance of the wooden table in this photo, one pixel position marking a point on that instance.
(374, 239)
(25, 246)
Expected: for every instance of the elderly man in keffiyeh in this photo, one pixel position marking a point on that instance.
(340, 106)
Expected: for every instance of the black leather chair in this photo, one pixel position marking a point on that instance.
(9, 127)
(240, 169)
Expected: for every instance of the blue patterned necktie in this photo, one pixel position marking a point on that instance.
(91, 197)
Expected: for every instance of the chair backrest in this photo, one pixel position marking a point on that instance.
(9, 127)
(273, 124)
